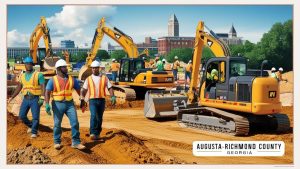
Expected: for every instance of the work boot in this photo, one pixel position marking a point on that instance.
(29, 130)
(79, 146)
(33, 136)
(94, 137)
(57, 146)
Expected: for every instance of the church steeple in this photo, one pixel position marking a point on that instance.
(232, 32)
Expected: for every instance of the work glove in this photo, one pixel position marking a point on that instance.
(41, 101)
(113, 100)
(48, 109)
(83, 105)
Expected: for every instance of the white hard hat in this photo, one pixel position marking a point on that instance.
(60, 63)
(190, 61)
(95, 63)
(176, 57)
(164, 60)
(280, 69)
(113, 60)
(273, 69)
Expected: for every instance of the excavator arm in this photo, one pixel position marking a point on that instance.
(40, 30)
(117, 35)
(218, 48)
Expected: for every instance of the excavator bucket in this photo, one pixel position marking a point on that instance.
(49, 62)
(160, 103)
(84, 72)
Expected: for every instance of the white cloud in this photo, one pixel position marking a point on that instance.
(75, 23)
(17, 39)
(79, 16)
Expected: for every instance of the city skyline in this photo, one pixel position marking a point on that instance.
(78, 23)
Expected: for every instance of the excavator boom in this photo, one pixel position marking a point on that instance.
(117, 35)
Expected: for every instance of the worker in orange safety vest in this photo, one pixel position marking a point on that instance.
(95, 85)
(61, 86)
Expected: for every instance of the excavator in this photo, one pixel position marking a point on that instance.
(134, 78)
(233, 103)
(47, 65)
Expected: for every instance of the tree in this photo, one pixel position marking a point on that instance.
(102, 54)
(183, 54)
(118, 54)
(277, 45)
(78, 57)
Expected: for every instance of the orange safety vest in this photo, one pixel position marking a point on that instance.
(176, 64)
(115, 67)
(62, 90)
(32, 86)
(188, 68)
(92, 87)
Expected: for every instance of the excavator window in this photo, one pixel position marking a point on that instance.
(237, 68)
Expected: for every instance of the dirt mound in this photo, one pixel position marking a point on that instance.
(28, 155)
(287, 87)
(114, 147)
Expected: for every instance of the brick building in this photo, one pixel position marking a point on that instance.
(165, 44)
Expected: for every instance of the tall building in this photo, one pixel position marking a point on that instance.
(67, 44)
(231, 37)
(173, 26)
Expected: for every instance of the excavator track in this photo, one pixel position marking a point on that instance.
(283, 122)
(124, 93)
(211, 119)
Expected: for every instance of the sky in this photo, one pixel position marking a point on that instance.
(78, 22)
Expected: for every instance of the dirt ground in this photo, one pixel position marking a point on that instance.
(129, 138)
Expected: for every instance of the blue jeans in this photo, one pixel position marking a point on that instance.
(97, 107)
(188, 75)
(32, 104)
(175, 74)
(59, 109)
(114, 75)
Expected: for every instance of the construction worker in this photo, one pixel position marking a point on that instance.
(115, 66)
(188, 70)
(214, 75)
(273, 73)
(61, 86)
(279, 75)
(159, 65)
(147, 64)
(96, 85)
(32, 86)
(175, 67)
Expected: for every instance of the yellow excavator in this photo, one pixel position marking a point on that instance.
(47, 65)
(232, 102)
(134, 78)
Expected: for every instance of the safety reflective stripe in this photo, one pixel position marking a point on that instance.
(101, 87)
(91, 87)
(64, 93)
(31, 86)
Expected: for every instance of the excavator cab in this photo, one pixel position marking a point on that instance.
(219, 72)
(130, 68)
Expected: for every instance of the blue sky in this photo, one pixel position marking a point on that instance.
(78, 23)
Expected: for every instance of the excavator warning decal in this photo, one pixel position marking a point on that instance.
(117, 36)
(209, 43)
(272, 94)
